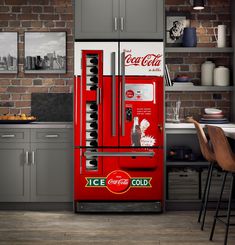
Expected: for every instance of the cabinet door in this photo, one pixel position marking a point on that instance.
(141, 19)
(14, 172)
(96, 19)
(51, 172)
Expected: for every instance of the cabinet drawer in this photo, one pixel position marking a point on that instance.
(51, 135)
(14, 135)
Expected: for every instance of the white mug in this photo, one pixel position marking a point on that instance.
(221, 38)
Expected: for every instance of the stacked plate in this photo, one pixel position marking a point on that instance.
(213, 116)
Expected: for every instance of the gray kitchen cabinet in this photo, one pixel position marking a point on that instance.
(96, 19)
(141, 19)
(14, 172)
(51, 172)
(124, 19)
(36, 165)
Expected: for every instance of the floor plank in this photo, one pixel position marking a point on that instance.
(49, 228)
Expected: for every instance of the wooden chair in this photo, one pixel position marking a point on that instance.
(226, 160)
(210, 157)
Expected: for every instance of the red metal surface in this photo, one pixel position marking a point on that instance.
(145, 173)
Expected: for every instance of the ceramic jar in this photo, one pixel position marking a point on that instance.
(221, 76)
(207, 73)
(189, 37)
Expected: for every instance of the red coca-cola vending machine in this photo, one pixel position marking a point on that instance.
(118, 126)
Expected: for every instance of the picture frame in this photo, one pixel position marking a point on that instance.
(175, 24)
(9, 52)
(45, 52)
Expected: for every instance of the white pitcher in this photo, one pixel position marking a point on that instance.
(221, 37)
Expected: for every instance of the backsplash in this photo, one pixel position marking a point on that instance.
(52, 107)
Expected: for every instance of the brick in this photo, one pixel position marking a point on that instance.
(66, 16)
(48, 82)
(60, 24)
(26, 96)
(48, 9)
(16, 2)
(7, 17)
(37, 9)
(26, 82)
(3, 90)
(4, 82)
(16, 9)
(14, 23)
(15, 82)
(4, 9)
(60, 82)
(3, 23)
(16, 96)
(26, 23)
(23, 103)
(16, 89)
(38, 2)
(5, 96)
(28, 17)
(14, 111)
(36, 24)
(4, 111)
(6, 104)
(59, 2)
(49, 24)
(49, 16)
(174, 60)
(37, 82)
(60, 89)
(38, 89)
(174, 2)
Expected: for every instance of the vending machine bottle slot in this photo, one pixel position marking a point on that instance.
(92, 70)
(91, 60)
(91, 116)
(91, 107)
(91, 79)
(91, 125)
(92, 87)
(92, 135)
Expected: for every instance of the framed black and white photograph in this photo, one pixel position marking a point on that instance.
(8, 52)
(45, 52)
(175, 24)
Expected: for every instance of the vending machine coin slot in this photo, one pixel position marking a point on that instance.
(129, 114)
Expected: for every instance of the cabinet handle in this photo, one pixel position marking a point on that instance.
(33, 158)
(122, 24)
(26, 157)
(51, 136)
(115, 24)
(8, 136)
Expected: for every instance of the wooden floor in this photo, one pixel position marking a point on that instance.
(171, 228)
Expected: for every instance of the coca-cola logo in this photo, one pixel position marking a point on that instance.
(118, 181)
(130, 93)
(147, 60)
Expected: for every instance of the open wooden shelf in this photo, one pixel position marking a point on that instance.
(198, 50)
(199, 88)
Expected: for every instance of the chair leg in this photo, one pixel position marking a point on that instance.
(229, 211)
(207, 195)
(218, 207)
(204, 194)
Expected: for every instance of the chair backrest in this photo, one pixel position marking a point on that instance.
(223, 152)
(203, 142)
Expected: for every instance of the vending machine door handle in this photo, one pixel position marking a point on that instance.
(123, 94)
(119, 154)
(113, 62)
(98, 98)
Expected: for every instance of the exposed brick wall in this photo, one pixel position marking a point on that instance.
(193, 103)
(34, 15)
(216, 12)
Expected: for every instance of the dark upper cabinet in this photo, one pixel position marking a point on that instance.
(124, 19)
